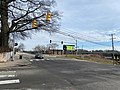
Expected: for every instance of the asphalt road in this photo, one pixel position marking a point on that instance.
(63, 74)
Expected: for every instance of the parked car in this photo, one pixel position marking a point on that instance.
(39, 56)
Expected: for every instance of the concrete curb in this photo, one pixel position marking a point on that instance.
(17, 63)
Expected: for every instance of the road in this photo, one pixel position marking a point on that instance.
(62, 74)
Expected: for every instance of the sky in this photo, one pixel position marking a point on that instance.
(91, 20)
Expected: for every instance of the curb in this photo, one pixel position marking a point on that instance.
(16, 64)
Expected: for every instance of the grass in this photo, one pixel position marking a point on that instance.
(91, 58)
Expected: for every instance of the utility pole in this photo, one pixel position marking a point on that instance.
(82, 47)
(112, 38)
(76, 47)
(82, 51)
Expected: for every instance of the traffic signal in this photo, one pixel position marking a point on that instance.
(34, 24)
(50, 41)
(15, 44)
(48, 16)
(64, 47)
(61, 42)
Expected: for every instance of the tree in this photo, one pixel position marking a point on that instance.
(21, 47)
(16, 17)
(52, 46)
(40, 48)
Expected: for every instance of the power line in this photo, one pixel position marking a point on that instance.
(85, 36)
(66, 34)
(73, 32)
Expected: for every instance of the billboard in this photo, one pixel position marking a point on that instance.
(70, 47)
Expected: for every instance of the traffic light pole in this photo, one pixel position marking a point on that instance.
(13, 47)
(76, 47)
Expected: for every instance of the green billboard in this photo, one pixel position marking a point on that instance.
(70, 47)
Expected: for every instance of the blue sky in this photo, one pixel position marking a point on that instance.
(91, 20)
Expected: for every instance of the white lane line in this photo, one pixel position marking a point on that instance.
(2, 76)
(8, 72)
(36, 60)
(31, 60)
(53, 56)
(12, 71)
(39, 59)
(10, 81)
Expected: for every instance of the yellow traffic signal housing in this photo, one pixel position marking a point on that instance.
(48, 16)
(34, 24)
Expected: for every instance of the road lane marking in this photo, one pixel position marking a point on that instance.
(8, 72)
(36, 60)
(10, 81)
(53, 56)
(2, 76)
(11, 71)
(6, 75)
(31, 60)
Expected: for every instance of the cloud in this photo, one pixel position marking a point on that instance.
(92, 14)
(91, 20)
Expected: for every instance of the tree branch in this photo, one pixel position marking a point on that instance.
(27, 12)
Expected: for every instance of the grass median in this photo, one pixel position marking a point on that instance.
(92, 58)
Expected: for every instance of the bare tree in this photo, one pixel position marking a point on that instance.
(52, 46)
(21, 47)
(40, 48)
(17, 16)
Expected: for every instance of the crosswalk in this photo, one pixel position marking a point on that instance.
(47, 59)
(36, 60)
(8, 77)
(51, 59)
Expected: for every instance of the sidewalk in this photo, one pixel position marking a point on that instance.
(17, 63)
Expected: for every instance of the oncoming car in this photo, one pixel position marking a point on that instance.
(39, 56)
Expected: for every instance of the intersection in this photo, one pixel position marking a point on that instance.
(61, 74)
